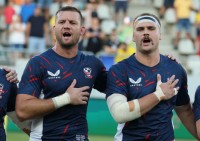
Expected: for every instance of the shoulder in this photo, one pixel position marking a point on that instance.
(90, 58)
(172, 65)
(198, 89)
(120, 66)
(3, 77)
(197, 94)
(45, 56)
(2, 72)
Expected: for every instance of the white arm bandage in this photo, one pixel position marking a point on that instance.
(61, 100)
(25, 125)
(121, 110)
(159, 93)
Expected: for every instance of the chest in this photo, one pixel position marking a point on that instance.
(143, 82)
(59, 78)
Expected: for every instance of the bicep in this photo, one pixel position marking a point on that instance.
(183, 111)
(116, 82)
(22, 99)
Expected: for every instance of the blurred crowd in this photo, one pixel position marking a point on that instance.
(25, 26)
(185, 15)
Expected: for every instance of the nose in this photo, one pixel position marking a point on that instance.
(67, 24)
(146, 35)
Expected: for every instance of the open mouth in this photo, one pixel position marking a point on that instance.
(67, 34)
(146, 40)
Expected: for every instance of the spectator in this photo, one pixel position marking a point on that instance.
(111, 42)
(118, 6)
(37, 32)
(94, 36)
(2, 25)
(27, 10)
(197, 25)
(123, 52)
(183, 9)
(17, 36)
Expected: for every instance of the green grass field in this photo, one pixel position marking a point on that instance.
(16, 136)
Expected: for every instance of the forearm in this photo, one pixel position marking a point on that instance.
(28, 108)
(24, 126)
(147, 103)
(187, 118)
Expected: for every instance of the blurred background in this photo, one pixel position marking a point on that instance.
(109, 37)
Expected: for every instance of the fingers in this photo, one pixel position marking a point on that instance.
(85, 98)
(84, 88)
(12, 76)
(175, 82)
(176, 90)
(6, 68)
(73, 83)
(171, 79)
(169, 88)
(159, 79)
(173, 58)
(78, 95)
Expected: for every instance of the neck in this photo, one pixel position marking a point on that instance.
(148, 59)
(67, 53)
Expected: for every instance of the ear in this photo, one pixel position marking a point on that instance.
(83, 30)
(133, 37)
(53, 29)
(160, 36)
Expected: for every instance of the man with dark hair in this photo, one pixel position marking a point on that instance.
(65, 76)
(143, 89)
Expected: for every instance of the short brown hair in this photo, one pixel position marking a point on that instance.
(70, 8)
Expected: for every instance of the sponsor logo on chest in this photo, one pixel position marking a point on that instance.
(135, 83)
(55, 75)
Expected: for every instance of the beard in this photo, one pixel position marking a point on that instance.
(67, 45)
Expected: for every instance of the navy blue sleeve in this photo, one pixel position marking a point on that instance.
(116, 81)
(8, 92)
(12, 98)
(31, 82)
(183, 96)
(100, 82)
(196, 104)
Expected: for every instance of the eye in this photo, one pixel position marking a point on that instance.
(151, 28)
(73, 22)
(61, 22)
(140, 29)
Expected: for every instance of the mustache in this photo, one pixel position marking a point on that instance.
(146, 37)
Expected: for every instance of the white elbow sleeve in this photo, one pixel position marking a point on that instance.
(121, 110)
(25, 125)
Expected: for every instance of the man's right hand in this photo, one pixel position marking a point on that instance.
(165, 91)
(78, 95)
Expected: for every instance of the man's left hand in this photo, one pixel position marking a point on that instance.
(170, 56)
(11, 75)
